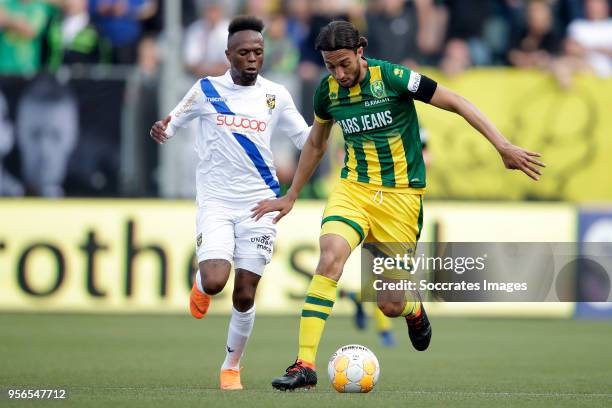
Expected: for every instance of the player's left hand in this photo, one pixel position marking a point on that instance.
(283, 205)
(517, 158)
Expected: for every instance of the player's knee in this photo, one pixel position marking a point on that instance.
(330, 264)
(211, 283)
(391, 309)
(212, 286)
(243, 299)
(214, 275)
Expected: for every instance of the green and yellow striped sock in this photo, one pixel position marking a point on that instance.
(412, 308)
(318, 305)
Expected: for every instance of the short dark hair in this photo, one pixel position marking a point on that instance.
(339, 35)
(242, 23)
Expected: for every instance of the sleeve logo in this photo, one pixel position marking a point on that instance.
(414, 82)
(187, 105)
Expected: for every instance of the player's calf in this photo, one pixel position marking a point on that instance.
(245, 288)
(392, 309)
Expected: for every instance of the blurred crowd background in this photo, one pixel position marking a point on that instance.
(82, 81)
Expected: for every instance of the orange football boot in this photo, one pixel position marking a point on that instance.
(198, 302)
(230, 379)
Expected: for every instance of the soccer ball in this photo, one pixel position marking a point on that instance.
(353, 368)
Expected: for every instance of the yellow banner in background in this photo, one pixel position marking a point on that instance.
(137, 256)
(571, 128)
(95, 255)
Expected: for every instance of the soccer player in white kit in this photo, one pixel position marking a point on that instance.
(238, 113)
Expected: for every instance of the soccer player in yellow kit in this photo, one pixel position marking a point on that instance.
(379, 198)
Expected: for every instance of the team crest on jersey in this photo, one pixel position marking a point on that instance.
(333, 96)
(271, 101)
(378, 89)
(199, 240)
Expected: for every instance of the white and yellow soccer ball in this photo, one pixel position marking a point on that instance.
(353, 368)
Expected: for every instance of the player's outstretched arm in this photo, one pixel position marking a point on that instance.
(190, 107)
(158, 130)
(514, 157)
(311, 156)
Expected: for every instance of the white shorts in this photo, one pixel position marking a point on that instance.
(231, 234)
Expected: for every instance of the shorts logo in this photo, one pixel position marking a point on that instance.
(264, 243)
(199, 240)
(414, 82)
(271, 101)
(378, 89)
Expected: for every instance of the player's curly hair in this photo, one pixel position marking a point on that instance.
(242, 23)
(339, 35)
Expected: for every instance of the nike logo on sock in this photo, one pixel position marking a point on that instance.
(229, 350)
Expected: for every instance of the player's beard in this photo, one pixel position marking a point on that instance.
(249, 77)
(357, 76)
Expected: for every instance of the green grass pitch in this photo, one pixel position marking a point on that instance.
(161, 361)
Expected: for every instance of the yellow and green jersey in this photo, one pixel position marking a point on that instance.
(379, 124)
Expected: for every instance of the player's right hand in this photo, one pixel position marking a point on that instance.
(283, 205)
(517, 158)
(158, 130)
